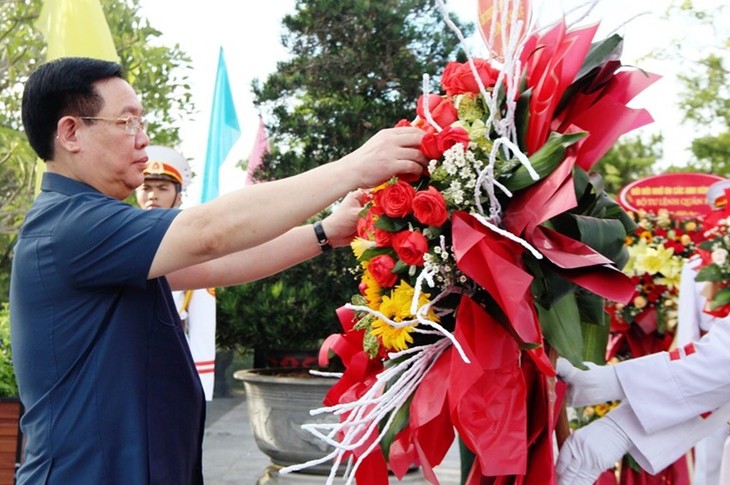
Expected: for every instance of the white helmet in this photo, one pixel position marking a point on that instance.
(716, 194)
(165, 163)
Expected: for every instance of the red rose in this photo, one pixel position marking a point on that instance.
(458, 77)
(375, 211)
(383, 238)
(396, 199)
(442, 110)
(403, 122)
(434, 145)
(365, 226)
(410, 246)
(429, 207)
(381, 267)
(430, 146)
(451, 136)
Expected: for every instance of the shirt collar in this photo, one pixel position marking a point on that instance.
(53, 182)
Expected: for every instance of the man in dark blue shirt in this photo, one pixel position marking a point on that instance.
(106, 377)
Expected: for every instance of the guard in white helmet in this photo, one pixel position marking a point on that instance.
(166, 177)
(693, 324)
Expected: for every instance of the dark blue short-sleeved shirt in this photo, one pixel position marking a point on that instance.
(105, 374)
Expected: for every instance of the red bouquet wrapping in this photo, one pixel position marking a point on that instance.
(472, 275)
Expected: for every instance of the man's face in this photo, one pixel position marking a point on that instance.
(112, 160)
(157, 193)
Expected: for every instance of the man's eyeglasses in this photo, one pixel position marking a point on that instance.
(132, 124)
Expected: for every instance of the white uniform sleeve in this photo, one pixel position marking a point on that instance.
(656, 451)
(668, 388)
(690, 305)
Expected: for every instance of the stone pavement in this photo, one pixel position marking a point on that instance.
(231, 457)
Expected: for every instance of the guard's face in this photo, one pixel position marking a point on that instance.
(154, 194)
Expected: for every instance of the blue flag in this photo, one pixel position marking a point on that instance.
(223, 131)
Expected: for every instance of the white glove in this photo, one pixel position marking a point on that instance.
(596, 385)
(591, 450)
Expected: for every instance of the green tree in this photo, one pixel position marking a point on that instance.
(157, 72)
(630, 159)
(705, 101)
(355, 67)
(699, 51)
(704, 94)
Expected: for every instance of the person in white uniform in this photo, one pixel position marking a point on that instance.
(166, 177)
(671, 400)
(693, 324)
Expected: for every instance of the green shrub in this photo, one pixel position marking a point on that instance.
(293, 310)
(8, 385)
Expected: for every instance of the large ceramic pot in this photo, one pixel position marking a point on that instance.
(279, 401)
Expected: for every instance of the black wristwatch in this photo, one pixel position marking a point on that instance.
(322, 240)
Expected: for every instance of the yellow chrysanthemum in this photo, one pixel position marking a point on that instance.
(372, 290)
(393, 338)
(397, 307)
(403, 296)
(390, 308)
(360, 245)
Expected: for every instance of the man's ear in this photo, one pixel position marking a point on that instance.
(67, 133)
(178, 199)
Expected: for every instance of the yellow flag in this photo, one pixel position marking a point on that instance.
(76, 28)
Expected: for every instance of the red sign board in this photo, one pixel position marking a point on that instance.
(682, 194)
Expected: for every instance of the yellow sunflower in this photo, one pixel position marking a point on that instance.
(372, 290)
(397, 307)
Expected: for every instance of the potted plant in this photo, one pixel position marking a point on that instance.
(10, 406)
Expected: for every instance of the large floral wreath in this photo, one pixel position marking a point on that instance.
(658, 249)
(474, 276)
